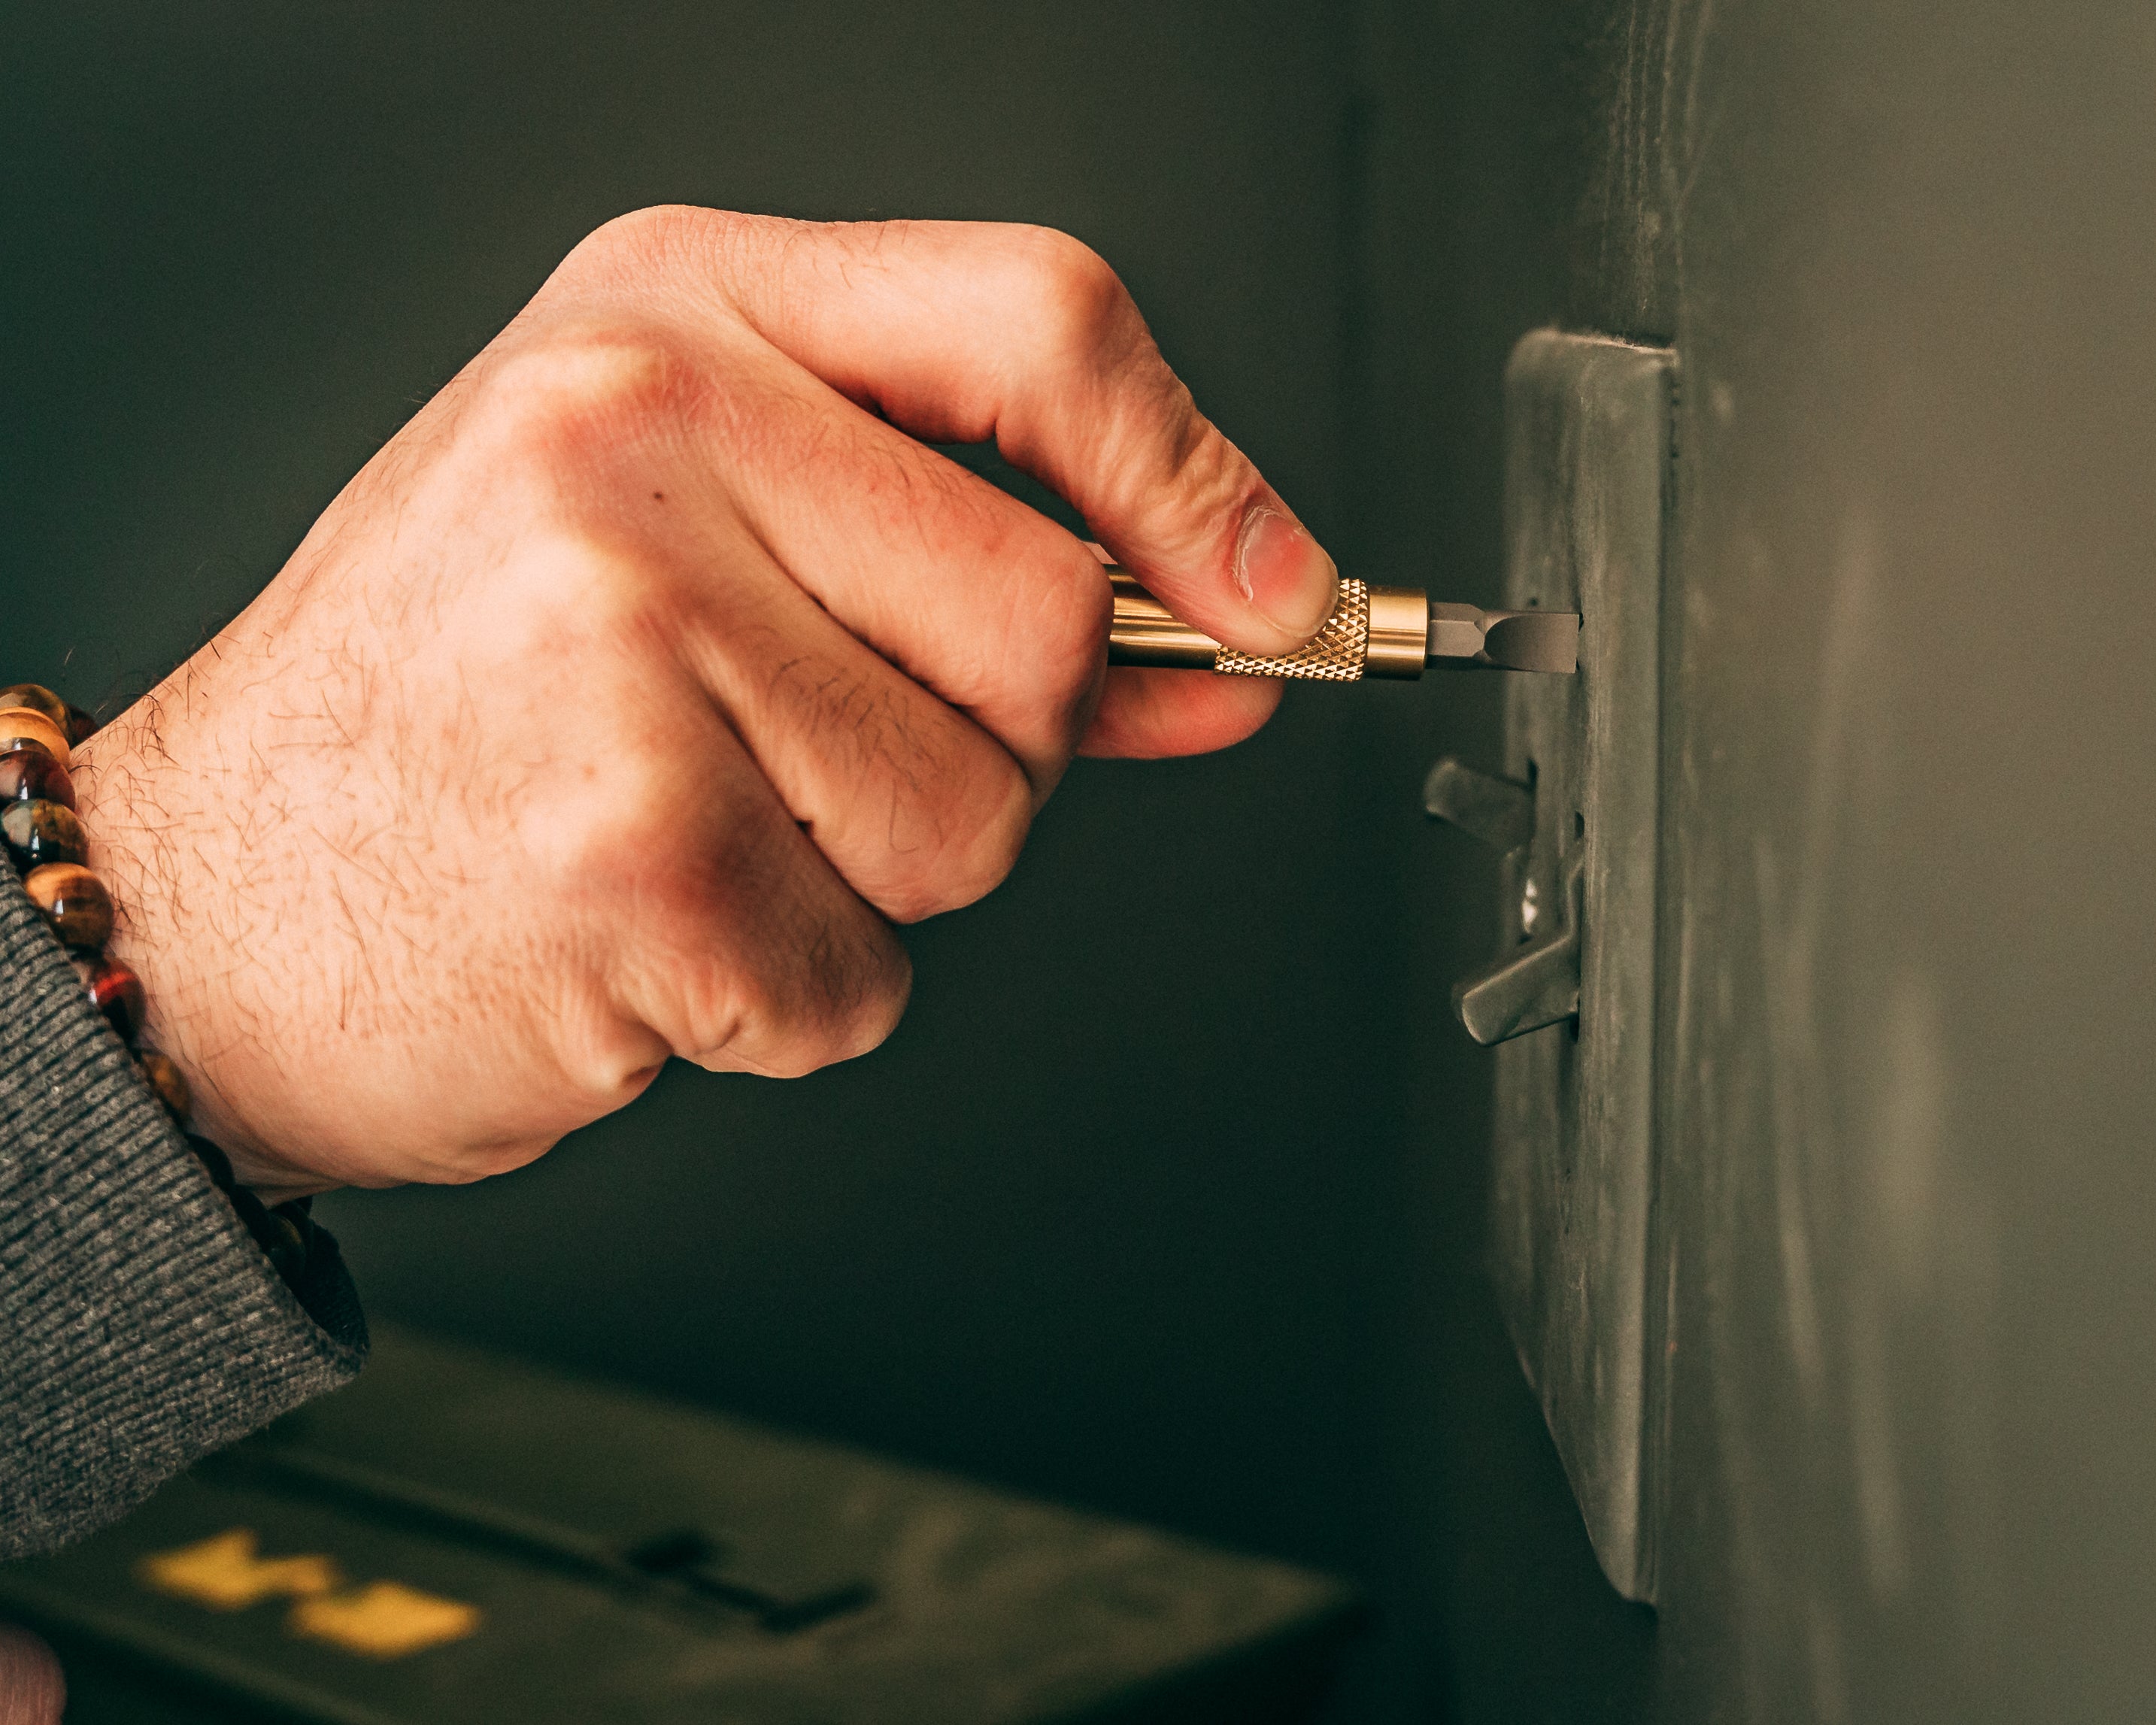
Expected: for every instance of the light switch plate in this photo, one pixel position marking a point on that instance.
(1587, 498)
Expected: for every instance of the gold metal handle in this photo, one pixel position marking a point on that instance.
(1372, 632)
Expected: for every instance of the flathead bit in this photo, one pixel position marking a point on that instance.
(1463, 636)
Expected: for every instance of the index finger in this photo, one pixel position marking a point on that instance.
(965, 332)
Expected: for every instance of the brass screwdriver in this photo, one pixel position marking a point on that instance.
(1372, 632)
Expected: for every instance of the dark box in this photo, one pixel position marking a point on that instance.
(457, 1539)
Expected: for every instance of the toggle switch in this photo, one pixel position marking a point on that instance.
(1536, 983)
(1569, 995)
(1531, 987)
(1537, 980)
(1499, 812)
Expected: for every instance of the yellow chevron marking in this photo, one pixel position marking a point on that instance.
(385, 1620)
(224, 1574)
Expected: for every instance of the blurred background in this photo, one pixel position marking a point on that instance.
(1198, 1241)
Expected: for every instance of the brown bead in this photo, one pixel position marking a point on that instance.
(165, 1079)
(39, 832)
(116, 991)
(38, 698)
(79, 726)
(29, 773)
(74, 902)
(17, 722)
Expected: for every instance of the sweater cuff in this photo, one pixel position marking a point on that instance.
(145, 1326)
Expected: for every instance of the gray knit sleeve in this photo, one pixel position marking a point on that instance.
(141, 1326)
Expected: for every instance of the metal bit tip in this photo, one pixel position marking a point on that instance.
(1507, 640)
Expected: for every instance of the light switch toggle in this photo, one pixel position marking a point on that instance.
(1499, 812)
(1535, 985)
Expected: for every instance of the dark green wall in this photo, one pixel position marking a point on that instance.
(1907, 1112)
(1905, 1117)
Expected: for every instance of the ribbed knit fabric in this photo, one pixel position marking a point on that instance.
(141, 1326)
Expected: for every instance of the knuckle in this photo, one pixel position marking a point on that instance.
(1074, 304)
(788, 973)
(1210, 477)
(983, 824)
(1182, 488)
(1034, 647)
(656, 241)
(922, 809)
(874, 1009)
(999, 835)
(1067, 620)
(842, 994)
(585, 392)
(873, 1002)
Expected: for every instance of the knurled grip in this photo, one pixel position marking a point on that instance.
(1372, 632)
(1336, 655)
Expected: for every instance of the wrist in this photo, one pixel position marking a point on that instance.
(152, 825)
(43, 750)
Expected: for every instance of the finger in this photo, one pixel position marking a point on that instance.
(994, 608)
(964, 333)
(1147, 714)
(918, 809)
(755, 956)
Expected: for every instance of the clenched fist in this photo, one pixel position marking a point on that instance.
(621, 704)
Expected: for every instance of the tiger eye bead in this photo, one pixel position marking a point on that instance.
(38, 833)
(28, 773)
(116, 991)
(38, 699)
(165, 1080)
(74, 902)
(19, 723)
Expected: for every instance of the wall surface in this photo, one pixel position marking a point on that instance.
(1903, 251)
(1908, 1132)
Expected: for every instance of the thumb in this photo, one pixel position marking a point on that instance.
(961, 332)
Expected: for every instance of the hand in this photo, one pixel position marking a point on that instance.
(619, 705)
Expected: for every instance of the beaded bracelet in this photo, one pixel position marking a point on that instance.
(45, 841)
